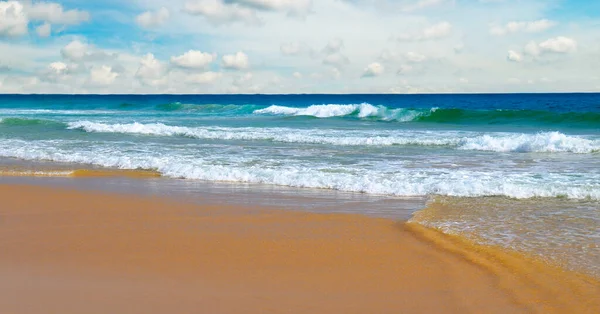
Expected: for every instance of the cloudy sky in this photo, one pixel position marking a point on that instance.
(299, 46)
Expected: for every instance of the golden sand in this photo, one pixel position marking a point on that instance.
(76, 173)
(65, 251)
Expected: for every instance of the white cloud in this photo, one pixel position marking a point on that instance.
(56, 72)
(13, 21)
(55, 14)
(58, 67)
(102, 75)
(243, 79)
(151, 71)
(415, 57)
(336, 60)
(292, 7)
(559, 44)
(79, 52)
(297, 75)
(528, 27)
(333, 46)
(194, 59)
(44, 30)
(150, 19)
(217, 12)
(433, 32)
(532, 49)
(238, 61)
(295, 49)
(75, 50)
(514, 56)
(290, 49)
(333, 55)
(405, 68)
(373, 69)
(423, 4)
(204, 78)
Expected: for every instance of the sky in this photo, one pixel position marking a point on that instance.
(299, 46)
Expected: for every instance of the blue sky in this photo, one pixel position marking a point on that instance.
(299, 46)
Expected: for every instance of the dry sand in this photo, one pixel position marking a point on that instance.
(65, 251)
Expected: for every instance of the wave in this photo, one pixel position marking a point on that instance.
(171, 162)
(547, 142)
(65, 112)
(28, 122)
(207, 108)
(437, 115)
(363, 111)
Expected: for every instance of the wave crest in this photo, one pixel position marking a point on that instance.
(438, 115)
(547, 142)
(363, 111)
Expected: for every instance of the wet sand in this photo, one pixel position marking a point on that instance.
(65, 251)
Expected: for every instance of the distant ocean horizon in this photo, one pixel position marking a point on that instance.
(516, 170)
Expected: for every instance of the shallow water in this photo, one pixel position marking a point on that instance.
(520, 171)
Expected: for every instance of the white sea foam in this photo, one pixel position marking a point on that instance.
(286, 135)
(401, 181)
(549, 142)
(363, 110)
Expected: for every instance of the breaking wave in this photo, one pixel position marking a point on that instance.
(437, 115)
(400, 182)
(546, 142)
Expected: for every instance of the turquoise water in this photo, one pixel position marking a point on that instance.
(519, 146)
(542, 148)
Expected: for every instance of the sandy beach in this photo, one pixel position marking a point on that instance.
(65, 251)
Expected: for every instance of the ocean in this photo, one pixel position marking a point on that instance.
(518, 171)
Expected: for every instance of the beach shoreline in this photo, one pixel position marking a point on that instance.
(68, 251)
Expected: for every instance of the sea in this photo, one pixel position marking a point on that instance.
(517, 171)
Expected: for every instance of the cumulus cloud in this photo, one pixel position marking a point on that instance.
(150, 19)
(151, 71)
(336, 60)
(238, 61)
(102, 75)
(514, 56)
(217, 12)
(57, 72)
(44, 30)
(373, 69)
(79, 51)
(193, 59)
(54, 13)
(75, 50)
(414, 57)
(13, 21)
(528, 27)
(292, 7)
(333, 46)
(405, 69)
(561, 45)
(433, 32)
(333, 55)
